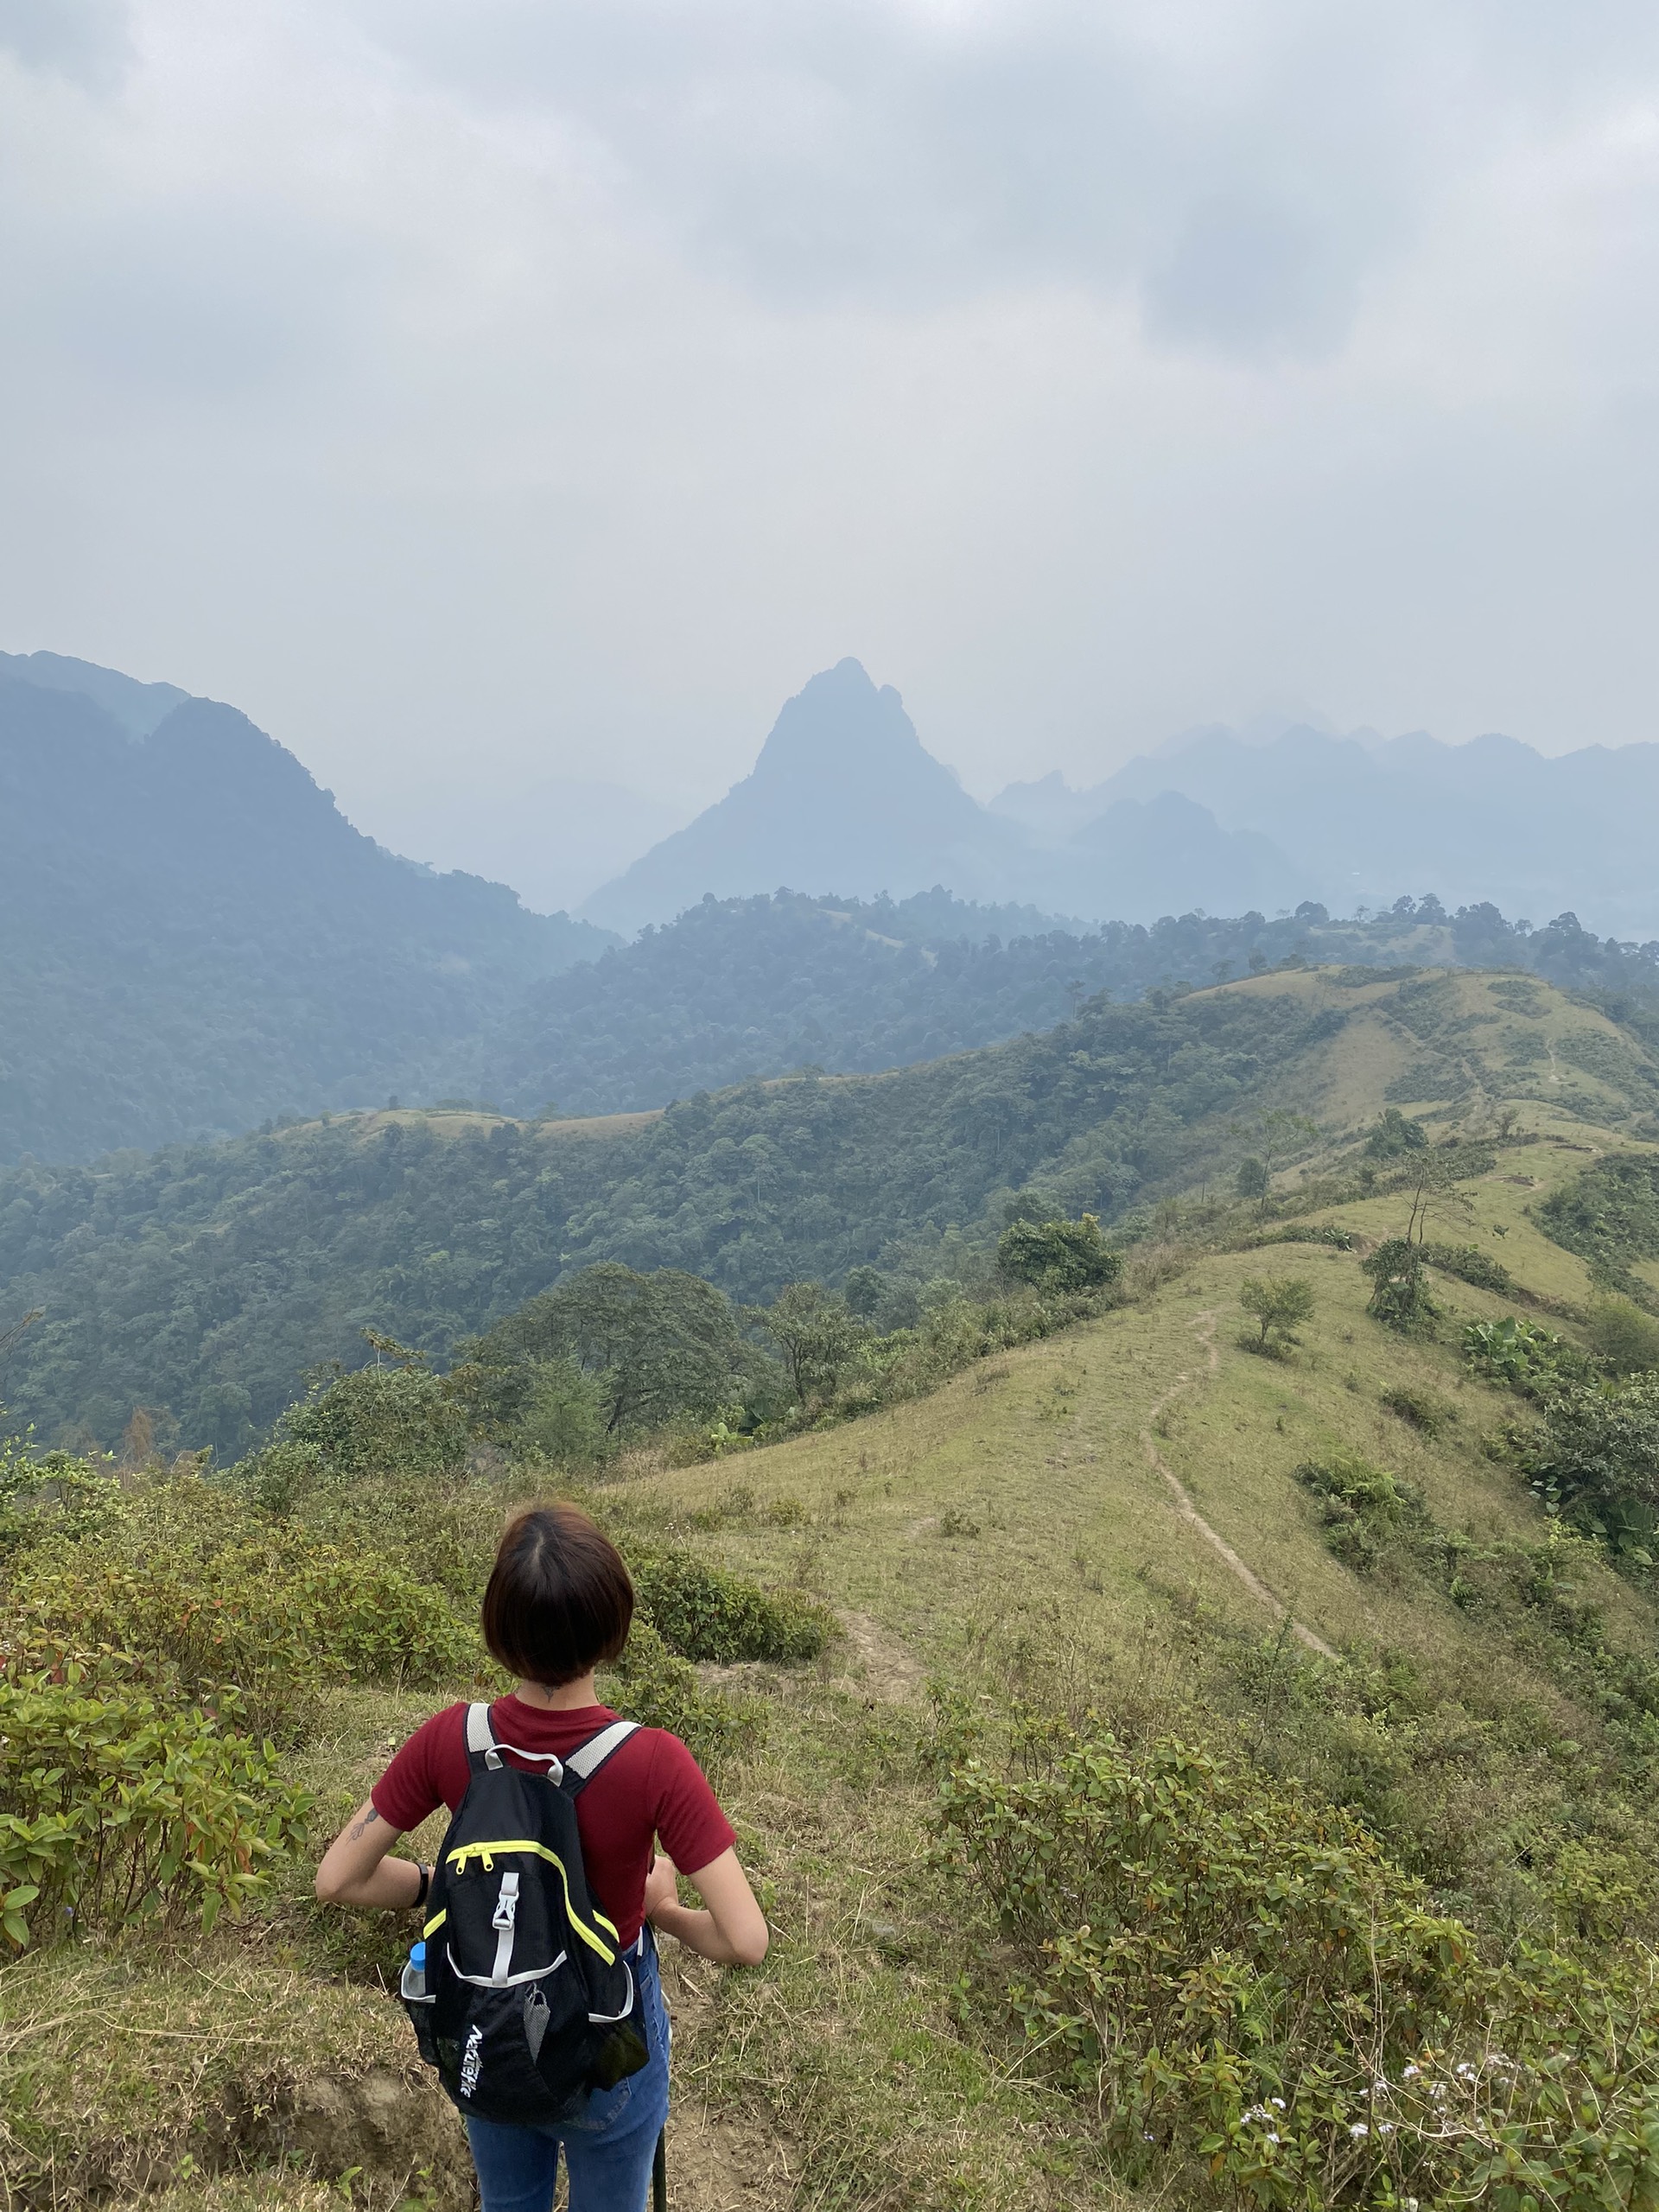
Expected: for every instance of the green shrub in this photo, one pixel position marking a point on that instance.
(1469, 1264)
(650, 1685)
(1057, 1254)
(1422, 1411)
(395, 1414)
(1362, 1507)
(441, 1530)
(1276, 1303)
(1598, 1459)
(1400, 1298)
(1609, 1216)
(1623, 1338)
(1528, 1358)
(1214, 1963)
(1263, 2011)
(704, 1612)
(57, 1495)
(115, 1808)
(1394, 1136)
(189, 1577)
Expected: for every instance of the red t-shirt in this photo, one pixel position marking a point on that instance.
(652, 1787)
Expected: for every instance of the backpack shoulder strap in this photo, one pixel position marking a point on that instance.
(585, 1762)
(482, 1750)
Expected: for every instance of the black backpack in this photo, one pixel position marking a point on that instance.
(529, 2003)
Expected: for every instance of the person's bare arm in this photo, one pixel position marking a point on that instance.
(731, 1931)
(355, 1869)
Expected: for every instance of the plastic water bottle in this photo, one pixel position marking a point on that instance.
(413, 1985)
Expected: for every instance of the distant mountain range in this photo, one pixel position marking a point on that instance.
(1362, 822)
(195, 938)
(845, 795)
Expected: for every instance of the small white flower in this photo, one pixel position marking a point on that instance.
(1277, 2103)
(1356, 2129)
(1410, 2074)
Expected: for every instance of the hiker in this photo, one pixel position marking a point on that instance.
(539, 1976)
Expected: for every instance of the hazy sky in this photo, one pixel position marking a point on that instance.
(547, 387)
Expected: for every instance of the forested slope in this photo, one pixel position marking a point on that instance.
(195, 937)
(742, 988)
(208, 1278)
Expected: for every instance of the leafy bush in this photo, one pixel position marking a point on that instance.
(1432, 1415)
(650, 1685)
(189, 1578)
(1395, 1135)
(1361, 1506)
(114, 1809)
(1518, 1352)
(438, 1530)
(1058, 1255)
(1623, 1338)
(1609, 1216)
(703, 1613)
(1469, 1264)
(1265, 2013)
(1278, 1303)
(398, 1414)
(1598, 1459)
(59, 1495)
(1400, 1298)
(1324, 1232)
(1216, 1963)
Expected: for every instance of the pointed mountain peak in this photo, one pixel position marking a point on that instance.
(840, 724)
(844, 796)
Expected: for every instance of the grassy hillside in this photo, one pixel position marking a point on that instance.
(205, 1281)
(1116, 1528)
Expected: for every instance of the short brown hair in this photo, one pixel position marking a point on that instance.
(559, 1600)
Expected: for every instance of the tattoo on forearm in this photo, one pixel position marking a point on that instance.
(363, 1826)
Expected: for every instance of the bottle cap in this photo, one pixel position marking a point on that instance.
(417, 1954)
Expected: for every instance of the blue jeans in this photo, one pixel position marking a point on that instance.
(608, 2152)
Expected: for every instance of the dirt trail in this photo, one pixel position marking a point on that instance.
(1206, 1326)
(888, 1671)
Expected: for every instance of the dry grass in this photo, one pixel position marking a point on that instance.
(123, 2073)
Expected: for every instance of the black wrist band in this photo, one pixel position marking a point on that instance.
(419, 1898)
